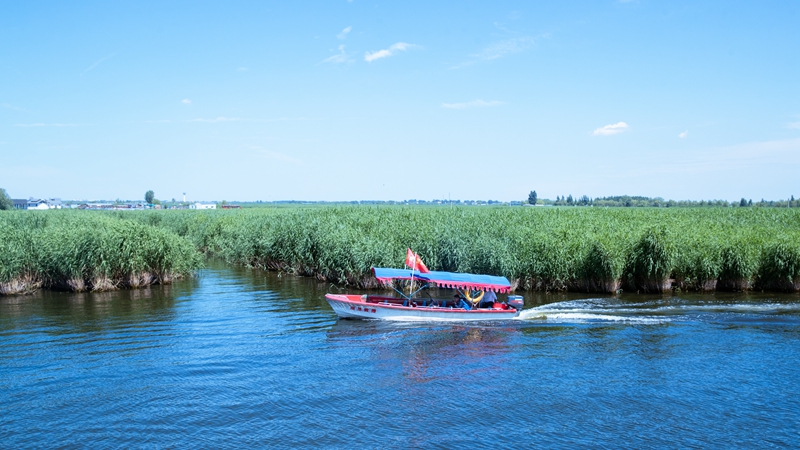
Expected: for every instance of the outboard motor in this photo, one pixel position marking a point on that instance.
(516, 302)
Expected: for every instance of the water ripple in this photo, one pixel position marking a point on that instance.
(244, 358)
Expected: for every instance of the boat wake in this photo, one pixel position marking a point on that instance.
(559, 316)
(654, 312)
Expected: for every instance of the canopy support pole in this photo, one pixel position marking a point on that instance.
(408, 297)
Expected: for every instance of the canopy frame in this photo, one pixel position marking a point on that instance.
(451, 280)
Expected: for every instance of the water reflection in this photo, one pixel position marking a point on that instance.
(90, 311)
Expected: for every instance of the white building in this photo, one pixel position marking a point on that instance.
(203, 206)
(43, 203)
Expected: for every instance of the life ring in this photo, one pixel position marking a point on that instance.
(474, 300)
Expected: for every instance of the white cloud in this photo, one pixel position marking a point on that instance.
(241, 69)
(684, 134)
(227, 119)
(344, 32)
(338, 58)
(500, 49)
(186, 101)
(748, 156)
(271, 154)
(10, 106)
(503, 48)
(218, 119)
(608, 130)
(401, 46)
(97, 62)
(795, 125)
(49, 124)
(472, 104)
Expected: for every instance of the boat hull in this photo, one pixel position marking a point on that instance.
(358, 307)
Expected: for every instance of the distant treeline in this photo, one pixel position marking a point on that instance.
(658, 202)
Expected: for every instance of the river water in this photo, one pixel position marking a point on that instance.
(238, 358)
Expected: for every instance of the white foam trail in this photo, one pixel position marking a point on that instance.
(563, 316)
(659, 311)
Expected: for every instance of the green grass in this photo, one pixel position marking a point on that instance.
(79, 250)
(579, 249)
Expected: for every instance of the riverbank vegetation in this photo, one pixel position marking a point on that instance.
(578, 249)
(573, 249)
(87, 251)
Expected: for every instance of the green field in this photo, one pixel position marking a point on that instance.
(578, 249)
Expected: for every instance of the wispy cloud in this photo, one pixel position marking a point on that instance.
(271, 154)
(795, 125)
(241, 69)
(506, 47)
(97, 62)
(38, 171)
(746, 156)
(400, 46)
(226, 119)
(344, 32)
(608, 130)
(186, 101)
(499, 49)
(337, 58)
(472, 104)
(218, 119)
(15, 108)
(40, 124)
(684, 134)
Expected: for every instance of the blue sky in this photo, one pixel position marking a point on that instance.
(349, 100)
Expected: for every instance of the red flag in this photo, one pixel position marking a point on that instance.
(415, 262)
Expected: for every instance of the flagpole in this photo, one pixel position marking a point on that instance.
(411, 292)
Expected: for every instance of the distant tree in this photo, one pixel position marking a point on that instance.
(742, 202)
(532, 198)
(750, 202)
(569, 199)
(5, 201)
(627, 201)
(149, 196)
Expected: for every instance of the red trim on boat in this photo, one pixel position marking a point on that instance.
(357, 299)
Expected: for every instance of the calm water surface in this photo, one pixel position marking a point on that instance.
(246, 358)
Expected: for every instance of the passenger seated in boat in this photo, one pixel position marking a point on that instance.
(488, 300)
(459, 302)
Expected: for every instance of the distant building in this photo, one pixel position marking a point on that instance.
(20, 203)
(43, 203)
(231, 207)
(203, 206)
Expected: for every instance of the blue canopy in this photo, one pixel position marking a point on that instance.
(451, 280)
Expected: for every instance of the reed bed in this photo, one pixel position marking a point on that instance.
(574, 249)
(87, 251)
